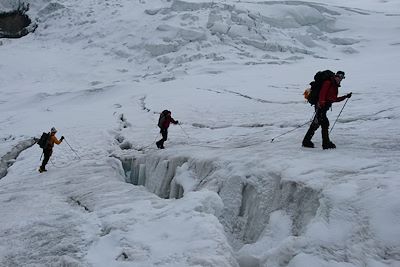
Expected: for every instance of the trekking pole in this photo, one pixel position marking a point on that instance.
(339, 115)
(188, 136)
(72, 149)
(183, 130)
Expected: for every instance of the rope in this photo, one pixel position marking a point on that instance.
(312, 118)
(206, 146)
(70, 161)
(209, 146)
(145, 147)
(63, 166)
(72, 149)
(192, 138)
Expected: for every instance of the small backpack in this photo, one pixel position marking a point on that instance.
(163, 116)
(312, 93)
(44, 139)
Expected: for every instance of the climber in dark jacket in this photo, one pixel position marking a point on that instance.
(163, 123)
(327, 96)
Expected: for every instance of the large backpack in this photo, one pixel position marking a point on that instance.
(163, 116)
(312, 94)
(44, 139)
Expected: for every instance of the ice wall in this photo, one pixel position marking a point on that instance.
(8, 159)
(248, 200)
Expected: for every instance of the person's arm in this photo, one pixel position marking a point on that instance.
(341, 98)
(56, 141)
(174, 121)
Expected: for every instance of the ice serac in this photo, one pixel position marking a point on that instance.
(285, 28)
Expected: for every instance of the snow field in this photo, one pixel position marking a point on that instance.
(233, 74)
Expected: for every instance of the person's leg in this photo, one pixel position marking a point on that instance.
(310, 133)
(326, 142)
(164, 133)
(46, 156)
(158, 143)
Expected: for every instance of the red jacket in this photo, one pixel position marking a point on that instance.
(167, 121)
(328, 94)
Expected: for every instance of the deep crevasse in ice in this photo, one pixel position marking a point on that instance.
(248, 200)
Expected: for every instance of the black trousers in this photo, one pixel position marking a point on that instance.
(320, 119)
(164, 133)
(47, 154)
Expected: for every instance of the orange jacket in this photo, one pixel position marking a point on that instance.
(52, 140)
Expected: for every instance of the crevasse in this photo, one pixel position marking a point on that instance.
(248, 200)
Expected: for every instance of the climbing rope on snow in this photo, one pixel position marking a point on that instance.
(73, 150)
(145, 147)
(189, 137)
(207, 146)
(61, 166)
(71, 161)
(298, 127)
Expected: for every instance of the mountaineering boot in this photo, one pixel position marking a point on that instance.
(308, 143)
(41, 169)
(326, 143)
(329, 145)
(160, 144)
(307, 138)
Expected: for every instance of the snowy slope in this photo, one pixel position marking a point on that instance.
(221, 194)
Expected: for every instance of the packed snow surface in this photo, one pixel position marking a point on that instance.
(233, 187)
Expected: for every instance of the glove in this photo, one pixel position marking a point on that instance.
(349, 95)
(176, 122)
(62, 138)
